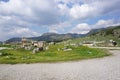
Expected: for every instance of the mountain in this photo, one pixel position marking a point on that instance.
(107, 34)
(16, 39)
(1, 42)
(113, 31)
(103, 36)
(58, 37)
(49, 37)
(109, 31)
(104, 31)
(94, 31)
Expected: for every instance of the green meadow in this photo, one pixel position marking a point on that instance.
(14, 56)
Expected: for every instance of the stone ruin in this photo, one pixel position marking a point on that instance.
(35, 46)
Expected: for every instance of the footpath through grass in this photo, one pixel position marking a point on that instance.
(52, 55)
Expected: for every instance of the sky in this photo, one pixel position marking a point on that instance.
(31, 18)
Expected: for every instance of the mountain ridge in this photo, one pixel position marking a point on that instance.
(50, 36)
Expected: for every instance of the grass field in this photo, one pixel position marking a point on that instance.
(96, 38)
(52, 55)
(9, 46)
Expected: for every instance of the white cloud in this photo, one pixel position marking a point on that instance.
(7, 33)
(17, 16)
(23, 31)
(82, 12)
(59, 27)
(104, 23)
(63, 9)
(94, 8)
(82, 28)
(39, 12)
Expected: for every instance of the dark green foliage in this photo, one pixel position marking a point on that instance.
(109, 32)
(5, 54)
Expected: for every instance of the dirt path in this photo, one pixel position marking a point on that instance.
(107, 68)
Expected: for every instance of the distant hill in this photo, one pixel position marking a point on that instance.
(113, 32)
(101, 35)
(94, 31)
(58, 37)
(106, 34)
(16, 39)
(49, 37)
(1, 42)
(109, 31)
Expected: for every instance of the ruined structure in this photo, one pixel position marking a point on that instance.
(24, 42)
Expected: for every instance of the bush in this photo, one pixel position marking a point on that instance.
(5, 54)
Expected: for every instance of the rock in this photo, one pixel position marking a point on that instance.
(40, 49)
(34, 51)
(89, 52)
(0, 54)
(69, 49)
(37, 49)
(58, 49)
(7, 57)
(46, 48)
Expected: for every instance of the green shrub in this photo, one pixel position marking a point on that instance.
(5, 54)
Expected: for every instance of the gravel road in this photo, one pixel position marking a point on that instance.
(107, 68)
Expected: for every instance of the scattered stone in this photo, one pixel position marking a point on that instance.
(34, 51)
(47, 47)
(25, 48)
(89, 52)
(69, 49)
(1, 54)
(7, 57)
(52, 43)
(111, 40)
(58, 49)
(37, 50)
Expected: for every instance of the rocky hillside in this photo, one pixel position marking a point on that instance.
(113, 31)
(101, 35)
(107, 34)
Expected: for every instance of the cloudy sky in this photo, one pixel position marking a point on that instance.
(26, 18)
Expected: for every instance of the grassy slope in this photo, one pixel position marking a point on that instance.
(104, 35)
(52, 55)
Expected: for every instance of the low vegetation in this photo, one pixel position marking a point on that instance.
(97, 38)
(6, 45)
(13, 56)
(107, 34)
